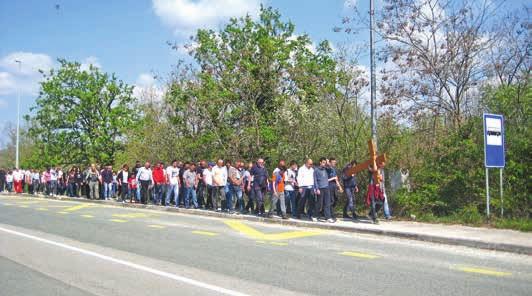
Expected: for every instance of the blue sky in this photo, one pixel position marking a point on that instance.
(129, 37)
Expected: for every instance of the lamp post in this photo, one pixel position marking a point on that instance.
(372, 71)
(18, 117)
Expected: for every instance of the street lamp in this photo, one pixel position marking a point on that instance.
(18, 116)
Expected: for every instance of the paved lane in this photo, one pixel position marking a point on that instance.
(243, 257)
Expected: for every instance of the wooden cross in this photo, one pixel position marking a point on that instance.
(373, 163)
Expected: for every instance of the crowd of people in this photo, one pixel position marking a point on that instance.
(303, 192)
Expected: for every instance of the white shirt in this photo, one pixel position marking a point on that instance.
(18, 176)
(172, 174)
(207, 177)
(125, 175)
(305, 176)
(145, 174)
(289, 176)
(219, 176)
(9, 178)
(53, 175)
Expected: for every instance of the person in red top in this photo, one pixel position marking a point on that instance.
(159, 183)
(132, 182)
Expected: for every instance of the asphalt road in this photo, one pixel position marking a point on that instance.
(50, 247)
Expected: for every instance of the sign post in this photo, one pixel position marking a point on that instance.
(493, 151)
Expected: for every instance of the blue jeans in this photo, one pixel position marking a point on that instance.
(190, 192)
(71, 189)
(137, 195)
(157, 193)
(228, 197)
(171, 188)
(107, 190)
(53, 187)
(236, 190)
(291, 198)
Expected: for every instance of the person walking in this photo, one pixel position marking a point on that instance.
(236, 181)
(209, 187)
(191, 182)
(145, 179)
(219, 177)
(289, 187)
(123, 182)
(159, 181)
(18, 176)
(305, 180)
(94, 179)
(321, 187)
(350, 188)
(260, 183)
(278, 186)
(172, 181)
(107, 180)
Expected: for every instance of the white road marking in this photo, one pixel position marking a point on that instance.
(129, 264)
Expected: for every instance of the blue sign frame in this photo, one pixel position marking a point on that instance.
(494, 152)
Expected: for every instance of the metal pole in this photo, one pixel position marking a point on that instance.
(372, 72)
(502, 200)
(18, 118)
(487, 194)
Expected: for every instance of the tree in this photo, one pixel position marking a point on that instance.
(255, 81)
(81, 115)
(434, 55)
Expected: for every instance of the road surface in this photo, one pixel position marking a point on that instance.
(50, 247)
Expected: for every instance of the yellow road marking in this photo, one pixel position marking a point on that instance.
(484, 271)
(79, 207)
(133, 215)
(258, 235)
(156, 226)
(87, 216)
(207, 233)
(64, 213)
(42, 209)
(7, 204)
(50, 206)
(278, 244)
(359, 255)
(118, 220)
(23, 206)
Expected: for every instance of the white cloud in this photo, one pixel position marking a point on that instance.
(184, 16)
(30, 64)
(23, 77)
(147, 89)
(3, 104)
(91, 60)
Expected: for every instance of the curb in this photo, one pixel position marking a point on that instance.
(511, 248)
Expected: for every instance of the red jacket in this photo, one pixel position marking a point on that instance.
(158, 175)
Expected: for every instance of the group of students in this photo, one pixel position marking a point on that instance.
(310, 191)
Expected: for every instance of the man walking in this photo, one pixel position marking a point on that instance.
(289, 187)
(172, 181)
(145, 178)
(123, 182)
(305, 180)
(107, 180)
(236, 179)
(259, 179)
(191, 182)
(219, 177)
(93, 178)
(159, 183)
(321, 187)
(350, 187)
(278, 186)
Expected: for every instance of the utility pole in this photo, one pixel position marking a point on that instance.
(18, 117)
(372, 70)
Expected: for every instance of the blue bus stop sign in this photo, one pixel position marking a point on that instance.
(493, 141)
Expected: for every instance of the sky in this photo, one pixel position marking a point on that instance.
(129, 38)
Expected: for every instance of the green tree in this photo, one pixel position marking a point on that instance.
(80, 115)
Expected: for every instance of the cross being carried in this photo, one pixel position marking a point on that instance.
(374, 164)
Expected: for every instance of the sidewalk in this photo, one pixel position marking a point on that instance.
(476, 237)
